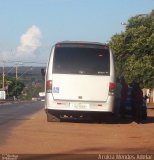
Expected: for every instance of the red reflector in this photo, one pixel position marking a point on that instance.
(49, 84)
(81, 45)
(112, 86)
(58, 45)
(104, 47)
(59, 103)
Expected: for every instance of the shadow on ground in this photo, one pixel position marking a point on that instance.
(107, 119)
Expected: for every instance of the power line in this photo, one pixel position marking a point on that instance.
(31, 62)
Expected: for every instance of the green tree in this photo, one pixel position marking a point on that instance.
(134, 50)
(15, 87)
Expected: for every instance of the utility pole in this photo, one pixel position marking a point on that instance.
(17, 65)
(3, 75)
(16, 71)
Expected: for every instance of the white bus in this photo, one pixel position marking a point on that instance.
(80, 80)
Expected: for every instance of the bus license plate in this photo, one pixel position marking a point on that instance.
(79, 106)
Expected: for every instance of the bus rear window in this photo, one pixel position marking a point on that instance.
(81, 60)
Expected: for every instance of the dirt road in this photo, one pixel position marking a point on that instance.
(28, 132)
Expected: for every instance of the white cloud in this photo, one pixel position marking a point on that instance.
(29, 42)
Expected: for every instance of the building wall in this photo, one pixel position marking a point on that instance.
(150, 94)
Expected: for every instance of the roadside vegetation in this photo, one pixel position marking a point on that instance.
(134, 50)
(23, 88)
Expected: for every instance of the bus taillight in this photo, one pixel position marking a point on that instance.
(49, 85)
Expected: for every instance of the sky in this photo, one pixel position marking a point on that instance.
(29, 28)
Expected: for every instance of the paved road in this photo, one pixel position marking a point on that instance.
(24, 130)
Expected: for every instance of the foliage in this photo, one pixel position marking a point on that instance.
(134, 50)
(15, 87)
(32, 91)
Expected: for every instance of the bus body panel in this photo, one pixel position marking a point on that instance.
(80, 87)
